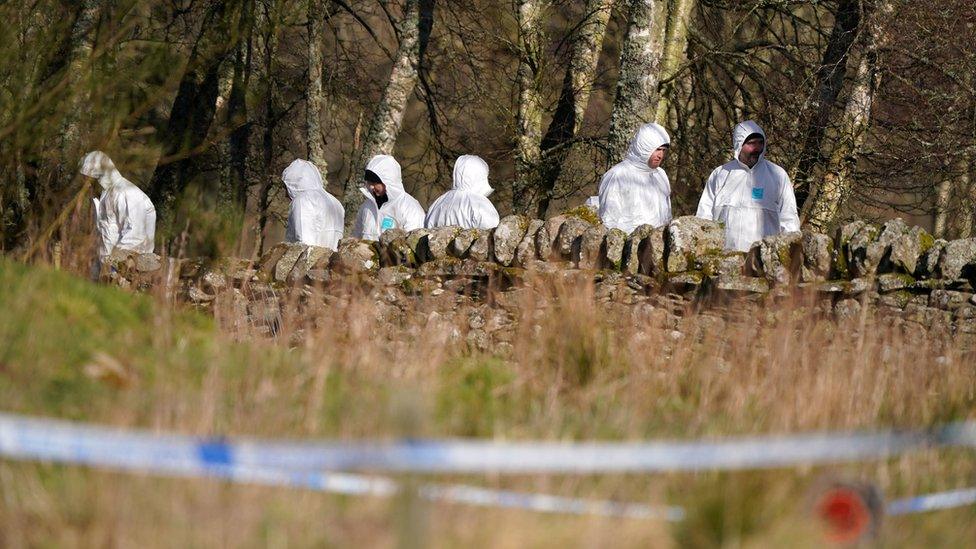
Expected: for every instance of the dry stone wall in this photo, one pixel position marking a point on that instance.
(900, 270)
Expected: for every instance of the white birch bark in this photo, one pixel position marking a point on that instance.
(314, 95)
(528, 141)
(837, 184)
(640, 60)
(385, 123)
(675, 43)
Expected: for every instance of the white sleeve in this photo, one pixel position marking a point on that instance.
(789, 219)
(611, 209)
(150, 227)
(131, 223)
(706, 205)
(488, 216)
(291, 232)
(108, 227)
(301, 229)
(413, 217)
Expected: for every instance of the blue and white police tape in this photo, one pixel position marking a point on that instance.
(932, 502)
(296, 464)
(130, 452)
(78, 443)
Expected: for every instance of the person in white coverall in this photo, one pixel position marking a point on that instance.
(387, 205)
(316, 217)
(124, 216)
(752, 196)
(466, 205)
(637, 191)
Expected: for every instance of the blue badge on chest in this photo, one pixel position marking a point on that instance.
(387, 224)
(757, 193)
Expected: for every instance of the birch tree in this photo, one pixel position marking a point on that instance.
(528, 141)
(955, 196)
(636, 90)
(675, 42)
(314, 95)
(541, 178)
(831, 75)
(967, 217)
(387, 118)
(836, 185)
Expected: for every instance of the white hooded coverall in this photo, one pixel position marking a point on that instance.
(124, 216)
(752, 202)
(400, 211)
(632, 193)
(316, 217)
(466, 205)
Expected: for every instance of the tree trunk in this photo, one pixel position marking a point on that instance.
(836, 185)
(384, 126)
(233, 193)
(573, 99)
(80, 50)
(271, 122)
(528, 144)
(675, 43)
(830, 81)
(943, 192)
(967, 215)
(640, 58)
(194, 107)
(314, 95)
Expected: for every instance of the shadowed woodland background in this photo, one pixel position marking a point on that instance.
(869, 104)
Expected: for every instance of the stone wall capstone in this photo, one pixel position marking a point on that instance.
(897, 268)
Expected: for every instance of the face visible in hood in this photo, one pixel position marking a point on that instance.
(98, 165)
(739, 135)
(471, 174)
(388, 170)
(301, 175)
(648, 139)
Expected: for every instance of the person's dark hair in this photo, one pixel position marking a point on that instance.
(753, 136)
(371, 177)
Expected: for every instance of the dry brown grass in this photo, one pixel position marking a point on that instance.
(573, 370)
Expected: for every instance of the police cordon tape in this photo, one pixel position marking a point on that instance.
(63, 442)
(300, 464)
(932, 502)
(83, 443)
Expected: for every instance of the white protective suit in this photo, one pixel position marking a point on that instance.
(400, 211)
(752, 203)
(316, 217)
(124, 216)
(632, 193)
(466, 205)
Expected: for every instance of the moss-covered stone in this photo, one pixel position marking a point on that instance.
(507, 236)
(688, 238)
(584, 213)
(890, 282)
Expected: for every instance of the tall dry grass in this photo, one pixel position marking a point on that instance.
(345, 362)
